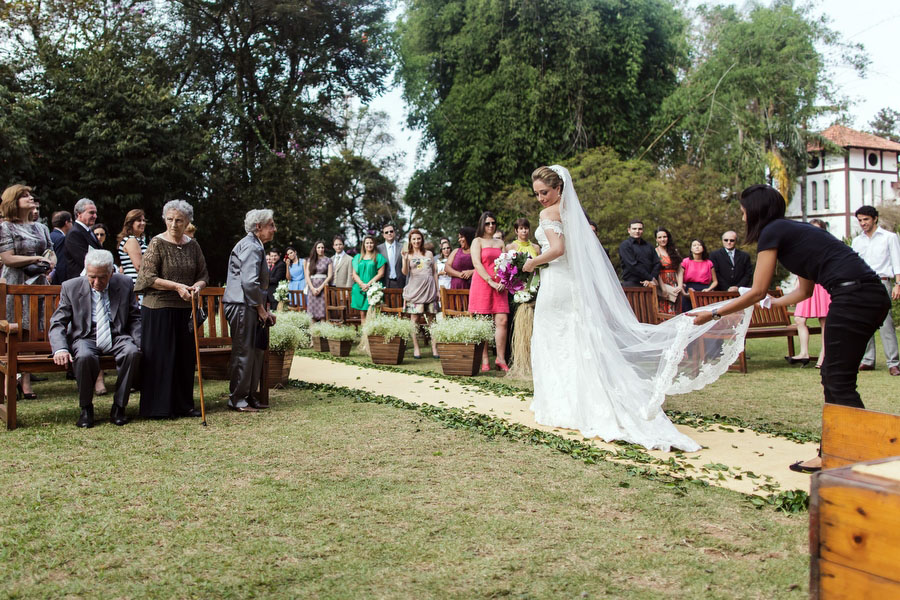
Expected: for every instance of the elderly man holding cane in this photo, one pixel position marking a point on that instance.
(98, 314)
(245, 309)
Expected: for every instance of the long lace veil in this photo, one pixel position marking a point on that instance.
(652, 361)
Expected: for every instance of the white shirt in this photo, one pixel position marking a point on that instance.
(881, 251)
(391, 250)
(337, 258)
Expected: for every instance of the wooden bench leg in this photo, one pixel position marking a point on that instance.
(8, 409)
(791, 345)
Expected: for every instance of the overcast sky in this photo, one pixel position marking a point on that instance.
(874, 23)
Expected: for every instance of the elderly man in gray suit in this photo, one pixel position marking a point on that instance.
(246, 311)
(98, 314)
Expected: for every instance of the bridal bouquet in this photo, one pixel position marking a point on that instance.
(375, 294)
(521, 284)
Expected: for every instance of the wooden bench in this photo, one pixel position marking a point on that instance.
(29, 350)
(764, 322)
(296, 300)
(854, 539)
(337, 306)
(455, 303)
(645, 305)
(393, 303)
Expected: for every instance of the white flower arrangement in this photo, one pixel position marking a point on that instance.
(299, 320)
(375, 294)
(522, 296)
(339, 333)
(462, 330)
(388, 327)
(282, 293)
(285, 337)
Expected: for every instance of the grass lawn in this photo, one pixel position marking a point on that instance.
(323, 497)
(771, 393)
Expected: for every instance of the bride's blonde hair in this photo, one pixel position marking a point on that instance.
(549, 177)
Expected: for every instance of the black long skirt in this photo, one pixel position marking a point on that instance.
(168, 362)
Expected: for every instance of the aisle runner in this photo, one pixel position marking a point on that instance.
(744, 461)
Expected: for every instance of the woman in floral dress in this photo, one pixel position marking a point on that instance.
(670, 272)
(319, 272)
(420, 293)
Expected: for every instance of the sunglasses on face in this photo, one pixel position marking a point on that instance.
(486, 223)
(388, 232)
(724, 240)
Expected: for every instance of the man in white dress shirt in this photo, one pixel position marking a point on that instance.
(391, 250)
(342, 264)
(880, 249)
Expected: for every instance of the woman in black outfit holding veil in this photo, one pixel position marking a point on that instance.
(859, 302)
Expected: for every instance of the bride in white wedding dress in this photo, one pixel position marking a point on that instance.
(597, 369)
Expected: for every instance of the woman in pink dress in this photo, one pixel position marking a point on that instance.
(699, 274)
(814, 307)
(487, 296)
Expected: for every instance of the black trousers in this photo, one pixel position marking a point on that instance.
(855, 314)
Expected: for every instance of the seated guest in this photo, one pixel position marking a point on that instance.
(343, 270)
(245, 309)
(277, 273)
(699, 273)
(733, 268)
(459, 266)
(98, 314)
(172, 269)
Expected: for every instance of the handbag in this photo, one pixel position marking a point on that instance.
(38, 268)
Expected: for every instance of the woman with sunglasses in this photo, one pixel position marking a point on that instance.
(488, 296)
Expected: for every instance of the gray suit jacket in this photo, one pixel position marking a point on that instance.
(343, 273)
(248, 273)
(398, 263)
(73, 319)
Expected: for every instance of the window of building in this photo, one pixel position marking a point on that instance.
(873, 159)
(826, 199)
(863, 191)
(882, 191)
(815, 196)
(813, 162)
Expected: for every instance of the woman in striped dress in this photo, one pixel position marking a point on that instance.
(131, 243)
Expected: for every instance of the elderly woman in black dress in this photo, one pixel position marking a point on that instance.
(859, 302)
(22, 243)
(172, 268)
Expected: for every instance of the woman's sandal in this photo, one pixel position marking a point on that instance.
(798, 467)
(502, 366)
(485, 368)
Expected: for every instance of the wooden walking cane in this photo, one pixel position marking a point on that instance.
(197, 350)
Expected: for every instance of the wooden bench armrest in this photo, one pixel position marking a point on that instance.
(9, 328)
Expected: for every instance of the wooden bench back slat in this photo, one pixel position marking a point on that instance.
(455, 303)
(851, 435)
(297, 299)
(393, 301)
(337, 306)
(643, 303)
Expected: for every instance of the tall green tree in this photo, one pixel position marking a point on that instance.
(501, 87)
(886, 124)
(757, 81)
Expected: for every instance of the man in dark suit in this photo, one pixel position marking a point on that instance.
(391, 250)
(277, 273)
(640, 263)
(62, 223)
(81, 237)
(733, 268)
(98, 314)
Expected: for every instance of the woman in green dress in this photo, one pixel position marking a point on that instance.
(368, 267)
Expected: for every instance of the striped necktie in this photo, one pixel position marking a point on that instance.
(101, 318)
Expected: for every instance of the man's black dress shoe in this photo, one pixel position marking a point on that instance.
(86, 419)
(117, 415)
(194, 412)
(257, 404)
(244, 409)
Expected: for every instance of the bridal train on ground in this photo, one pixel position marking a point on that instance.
(598, 370)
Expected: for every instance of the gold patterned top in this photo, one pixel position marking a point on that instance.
(164, 260)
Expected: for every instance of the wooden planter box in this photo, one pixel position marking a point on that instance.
(279, 367)
(460, 359)
(390, 353)
(340, 347)
(320, 344)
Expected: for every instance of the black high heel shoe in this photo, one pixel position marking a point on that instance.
(23, 395)
(793, 361)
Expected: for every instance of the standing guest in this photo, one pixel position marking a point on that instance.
(81, 237)
(296, 269)
(733, 268)
(100, 232)
(245, 308)
(488, 296)
(22, 243)
(459, 265)
(172, 269)
(62, 223)
(391, 250)
(816, 306)
(670, 272)
(880, 249)
(640, 263)
(319, 272)
(98, 314)
(522, 243)
(859, 301)
(131, 243)
(368, 267)
(421, 292)
(277, 273)
(699, 273)
(341, 267)
(444, 279)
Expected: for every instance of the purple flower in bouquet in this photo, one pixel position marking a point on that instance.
(508, 267)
